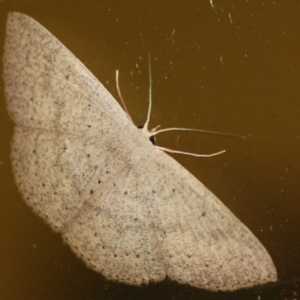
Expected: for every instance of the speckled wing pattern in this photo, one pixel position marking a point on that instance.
(129, 210)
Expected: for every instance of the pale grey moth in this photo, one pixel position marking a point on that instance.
(129, 210)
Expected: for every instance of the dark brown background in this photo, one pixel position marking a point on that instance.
(232, 68)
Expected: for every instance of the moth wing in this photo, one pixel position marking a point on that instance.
(48, 87)
(113, 231)
(203, 243)
(66, 120)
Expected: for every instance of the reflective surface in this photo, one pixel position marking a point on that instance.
(234, 68)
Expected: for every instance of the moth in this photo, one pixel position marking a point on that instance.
(127, 209)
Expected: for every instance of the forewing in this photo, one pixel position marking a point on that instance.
(48, 87)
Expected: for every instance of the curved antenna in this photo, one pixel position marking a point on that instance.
(120, 95)
(145, 128)
(189, 153)
(155, 132)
